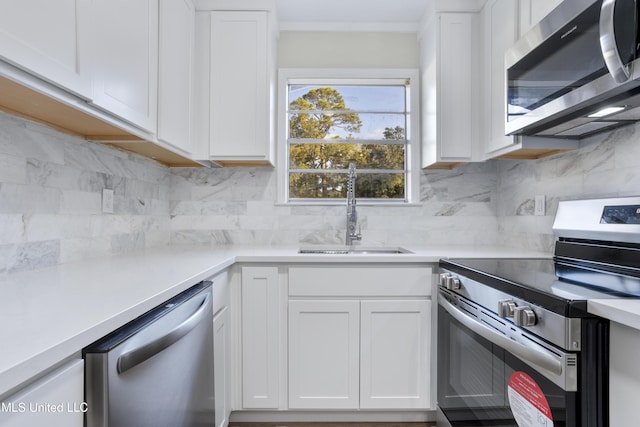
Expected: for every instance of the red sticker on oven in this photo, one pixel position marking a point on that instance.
(528, 404)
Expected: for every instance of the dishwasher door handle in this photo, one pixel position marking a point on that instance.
(138, 355)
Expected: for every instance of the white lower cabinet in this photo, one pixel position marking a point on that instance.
(352, 354)
(221, 291)
(324, 354)
(260, 337)
(360, 337)
(624, 375)
(56, 400)
(221, 367)
(395, 362)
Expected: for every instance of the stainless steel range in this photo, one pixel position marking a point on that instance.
(516, 344)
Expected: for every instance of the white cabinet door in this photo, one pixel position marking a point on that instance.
(222, 370)
(395, 354)
(450, 99)
(624, 375)
(125, 59)
(532, 12)
(242, 76)
(53, 401)
(500, 32)
(370, 349)
(49, 39)
(176, 44)
(324, 357)
(260, 338)
(455, 106)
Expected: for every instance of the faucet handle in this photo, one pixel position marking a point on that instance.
(358, 235)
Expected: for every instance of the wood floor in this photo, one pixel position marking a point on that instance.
(331, 424)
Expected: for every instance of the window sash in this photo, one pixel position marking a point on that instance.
(368, 179)
(342, 141)
(407, 78)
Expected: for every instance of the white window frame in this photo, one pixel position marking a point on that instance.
(412, 147)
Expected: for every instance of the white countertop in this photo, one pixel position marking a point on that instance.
(621, 310)
(50, 314)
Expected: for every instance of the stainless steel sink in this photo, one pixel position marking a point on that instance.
(344, 250)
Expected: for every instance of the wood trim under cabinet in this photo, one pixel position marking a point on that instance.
(19, 100)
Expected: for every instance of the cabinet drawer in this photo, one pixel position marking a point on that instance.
(363, 280)
(56, 400)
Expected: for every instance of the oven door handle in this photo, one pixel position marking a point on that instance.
(535, 355)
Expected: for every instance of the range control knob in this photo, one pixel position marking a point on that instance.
(506, 307)
(524, 316)
(443, 278)
(449, 281)
(452, 283)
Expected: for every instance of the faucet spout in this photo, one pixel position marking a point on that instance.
(352, 214)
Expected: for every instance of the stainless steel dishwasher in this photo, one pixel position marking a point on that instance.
(158, 369)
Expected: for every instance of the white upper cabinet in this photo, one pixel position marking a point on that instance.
(49, 39)
(500, 31)
(125, 59)
(175, 69)
(450, 127)
(236, 77)
(532, 12)
(500, 26)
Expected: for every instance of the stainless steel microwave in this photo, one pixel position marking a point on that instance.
(576, 73)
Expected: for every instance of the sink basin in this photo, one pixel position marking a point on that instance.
(343, 250)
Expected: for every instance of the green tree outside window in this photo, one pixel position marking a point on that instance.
(324, 139)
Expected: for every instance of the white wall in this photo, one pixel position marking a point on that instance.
(347, 50)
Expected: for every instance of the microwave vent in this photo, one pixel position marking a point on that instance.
(632, 114)
(587, 128)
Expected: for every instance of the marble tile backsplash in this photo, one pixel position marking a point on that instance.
(238, 206)
(606, 165)
(51, 198)
(51, 185)
(481, 203)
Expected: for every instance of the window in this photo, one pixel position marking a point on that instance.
(329, 122)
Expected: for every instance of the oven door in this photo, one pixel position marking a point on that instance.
(480, 383)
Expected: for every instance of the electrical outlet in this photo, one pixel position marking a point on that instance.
(107, 200)
(539, 208)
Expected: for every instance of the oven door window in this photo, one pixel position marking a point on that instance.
(473, 383)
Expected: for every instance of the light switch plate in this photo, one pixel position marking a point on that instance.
(107, 200)
(539, 208)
